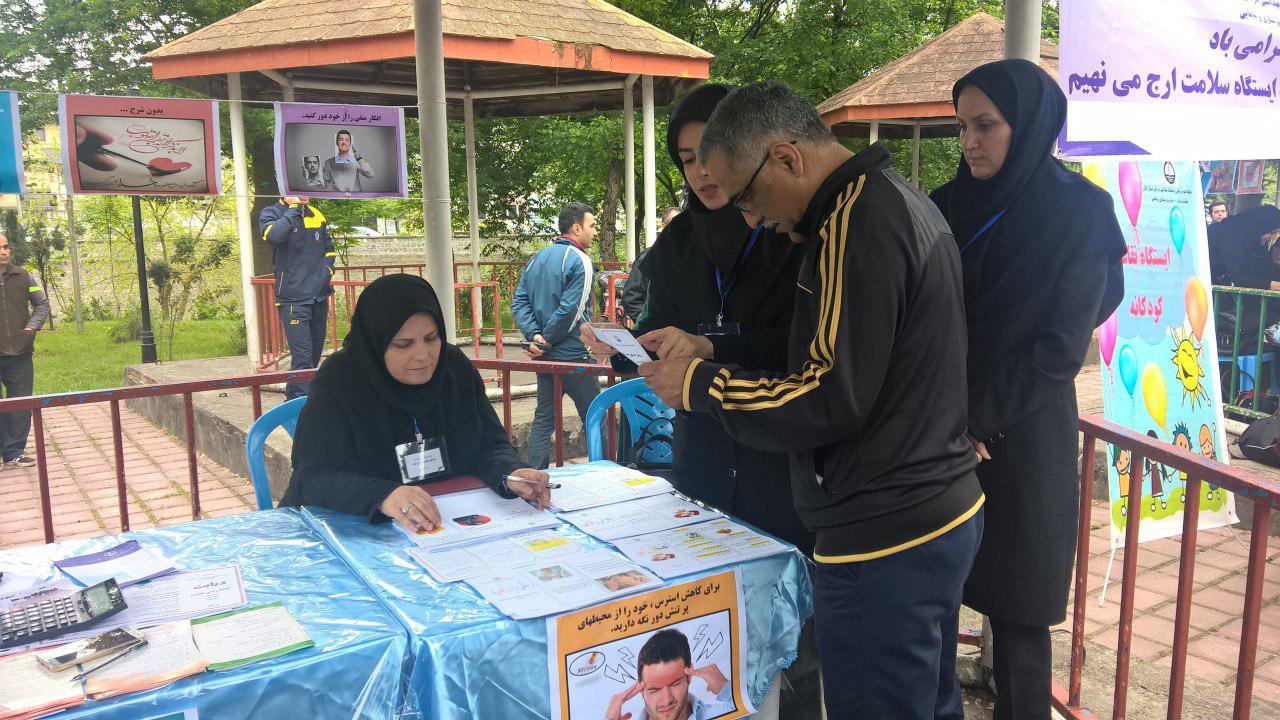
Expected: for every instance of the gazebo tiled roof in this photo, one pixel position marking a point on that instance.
(366, 47)
(917, 86)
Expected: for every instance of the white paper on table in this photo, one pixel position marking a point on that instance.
(676, 552)
(240, 637)
(21, 590)
(27, 687)
(170, 654)
(640, 516)
(562, 584)
(474, 515)
(601, 483)
(460, 563)
(177, 596)
(128, 563)
(624, 342)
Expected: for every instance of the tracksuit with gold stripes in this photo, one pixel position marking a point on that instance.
(303, 255)
(872, 416)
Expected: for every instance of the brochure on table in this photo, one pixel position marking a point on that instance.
(562, 584)
(601, 483)
(486, 557)
(680, 551)
(128, 563)
(28, 690)
(640, 516)
(170, 654)
(474, 515)
(247, 635)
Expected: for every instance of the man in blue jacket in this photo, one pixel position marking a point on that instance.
(303, 256)
(552, 300)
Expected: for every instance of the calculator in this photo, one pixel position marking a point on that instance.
(60, 615)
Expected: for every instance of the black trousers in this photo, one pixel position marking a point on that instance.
(887, 630)
(17, 373)
(304, 329)
(1023, 670)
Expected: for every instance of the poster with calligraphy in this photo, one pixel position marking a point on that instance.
(140, 146)
(12, 177)
(340, 151)
(677, 652)
(1159, 356)
(1171, 79)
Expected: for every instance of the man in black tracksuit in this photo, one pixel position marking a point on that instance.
(303, 255)
(872, 413)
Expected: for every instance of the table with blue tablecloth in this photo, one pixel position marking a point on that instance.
(360, 659)
(471, 662)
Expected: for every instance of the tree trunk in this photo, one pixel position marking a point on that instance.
(609, 212)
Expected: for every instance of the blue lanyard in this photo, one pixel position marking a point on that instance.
(981, 230)
(725, 288)
(417, 434)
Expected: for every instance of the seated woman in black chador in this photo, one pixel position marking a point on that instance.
(396, 409)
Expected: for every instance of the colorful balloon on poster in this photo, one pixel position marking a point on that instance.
(1177, 228)
(1131, 191)
(1107, 338)
(1154, 394)
(1197, 306)
(1093, 173)
(1128, 368)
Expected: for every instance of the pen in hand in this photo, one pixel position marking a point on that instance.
(517, 478)
(96, 668)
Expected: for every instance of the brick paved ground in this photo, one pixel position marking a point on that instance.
(82, 479)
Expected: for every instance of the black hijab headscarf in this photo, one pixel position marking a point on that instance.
(382, 309)
(1036, 109)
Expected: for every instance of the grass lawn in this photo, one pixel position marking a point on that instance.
(67, 360)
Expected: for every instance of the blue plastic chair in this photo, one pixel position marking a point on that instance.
(283, 415)
(643, 411)
(1248, 365)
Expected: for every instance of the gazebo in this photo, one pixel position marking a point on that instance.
(502, 59)
(911, 96)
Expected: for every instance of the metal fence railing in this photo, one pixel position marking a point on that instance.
(1247, 363)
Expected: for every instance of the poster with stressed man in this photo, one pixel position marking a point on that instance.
(340, 151)
(140, 146)
(671, 654)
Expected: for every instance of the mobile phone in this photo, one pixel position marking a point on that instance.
(90, 648)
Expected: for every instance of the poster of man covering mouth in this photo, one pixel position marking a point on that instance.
(340, 151)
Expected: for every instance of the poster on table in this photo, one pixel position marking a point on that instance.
(140, 146)
(1159, 358)
(340, 151)
(12, 177)
(676, 652)
(1171, 79)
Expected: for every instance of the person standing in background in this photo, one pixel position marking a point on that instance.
(1041, 252)
(552, 300)
(303, 257)
(23, 309)
(1218, 212)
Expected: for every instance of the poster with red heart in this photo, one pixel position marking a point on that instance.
(140, 146)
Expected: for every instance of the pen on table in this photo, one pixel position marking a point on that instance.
(95, 669)
(517, 478)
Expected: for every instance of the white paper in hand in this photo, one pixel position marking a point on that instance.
(624, 342)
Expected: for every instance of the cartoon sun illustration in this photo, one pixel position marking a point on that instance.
(1186, 358)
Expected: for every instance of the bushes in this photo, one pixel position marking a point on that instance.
(126, 327)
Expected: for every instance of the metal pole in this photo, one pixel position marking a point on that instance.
(874, 136)
(650, 162)
(629, 162)
(473, 210)
(433, 137)
(915, 154)
(1022, 29)
(244, 223)
(148, 340)
(73, 238)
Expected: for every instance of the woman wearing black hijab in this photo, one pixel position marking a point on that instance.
(394, 383)
(1041, 251)
(719, 288)
(1241, 254)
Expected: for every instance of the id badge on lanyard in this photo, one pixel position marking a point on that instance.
(724, 287)
(426, 458)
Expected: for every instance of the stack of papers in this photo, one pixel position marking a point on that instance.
(247, 635)
(601, 483)
(28, 690)
(127, 562)
(672, 553)
(170, 654)
(639, 517)
(562, 584)
(474, 515)
(452, 564)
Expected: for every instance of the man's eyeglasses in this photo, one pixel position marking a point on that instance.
(736, 200)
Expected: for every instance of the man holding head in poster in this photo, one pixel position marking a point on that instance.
(666, 672)
(343, 171)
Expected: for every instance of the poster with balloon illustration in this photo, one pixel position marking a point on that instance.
(1159, 361)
